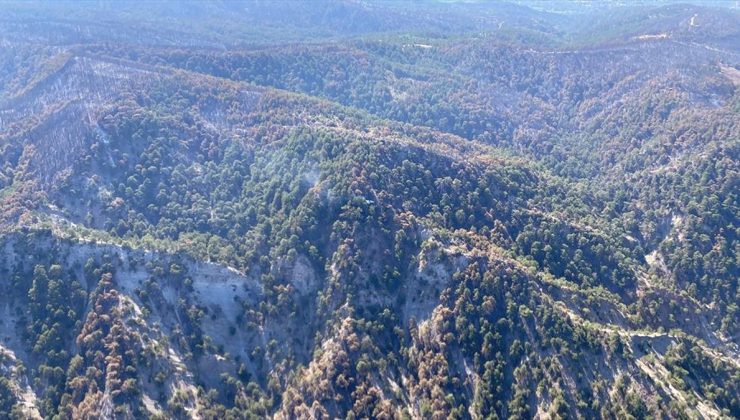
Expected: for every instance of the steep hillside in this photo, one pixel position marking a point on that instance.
(401, 226)
(660, 113)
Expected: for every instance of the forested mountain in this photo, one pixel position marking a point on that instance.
(350, 209)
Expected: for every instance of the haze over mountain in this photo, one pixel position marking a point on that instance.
(356, 209)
